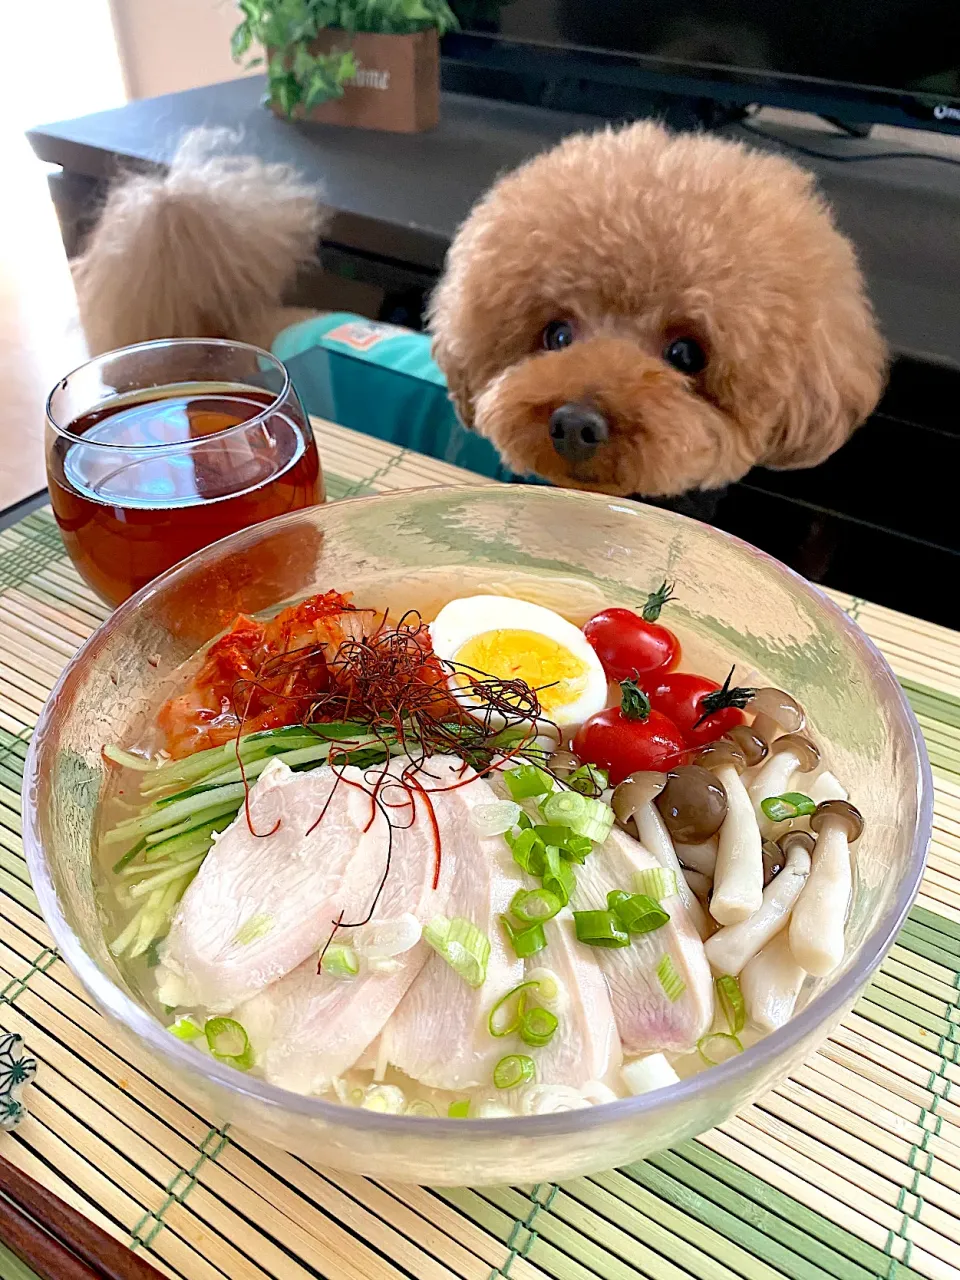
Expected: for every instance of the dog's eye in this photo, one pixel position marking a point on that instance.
(686, 355)
(557, 335)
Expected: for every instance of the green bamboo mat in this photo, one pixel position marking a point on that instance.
(849, 1171)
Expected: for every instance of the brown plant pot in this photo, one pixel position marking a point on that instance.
(397, 86)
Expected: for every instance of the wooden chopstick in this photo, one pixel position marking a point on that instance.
(55, 1230)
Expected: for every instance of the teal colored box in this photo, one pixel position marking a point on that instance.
(381, 379)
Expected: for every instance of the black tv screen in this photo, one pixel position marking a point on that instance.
(870, 60)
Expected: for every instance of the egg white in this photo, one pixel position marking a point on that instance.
(471, 616)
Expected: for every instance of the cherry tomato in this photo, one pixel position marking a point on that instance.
(630, 738)
(680, 695)
(632, 645)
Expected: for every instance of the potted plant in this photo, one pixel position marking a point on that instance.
(370, 63)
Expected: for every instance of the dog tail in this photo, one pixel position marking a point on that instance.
(205, 251)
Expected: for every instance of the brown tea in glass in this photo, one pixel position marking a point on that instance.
(158, 450)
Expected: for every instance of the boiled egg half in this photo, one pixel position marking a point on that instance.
(516, 640)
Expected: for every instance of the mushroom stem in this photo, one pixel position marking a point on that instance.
(699, 883)
(788, 755)
(827, 787)
(770, 984)
(730, 948)
(738, 877)
(699, 857)
(817, 923)
(655, 838)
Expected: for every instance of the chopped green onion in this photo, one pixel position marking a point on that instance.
(717, 1047)
(792, 804)
(464, 947)
(600, 929)
(514, 1070)
(152, 954)
(494, 819)
(589, 780)
(420, 1107)
(671, 982)
(253, 930)
(576, 848)
(564, 808)
(186, 1029)
(527, 780)
(596, 822)
(730, 999)
(340, 962)
(636, 912)
(525, 942)
(537, 1027)
(528, 852)
(459, 1110)
(510, 1021)
(535, 905)
(657, 883)
(557, 875)
(228, 1042)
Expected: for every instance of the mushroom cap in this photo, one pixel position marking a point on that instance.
(693, 804)
(851, 817)
(722, 752)
(773, 860)
(807, 752)
(634, 792)
(562, 763)
(751, 744)
(790, 838)
(781, 707)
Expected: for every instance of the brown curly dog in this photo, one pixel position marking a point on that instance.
(641, 313)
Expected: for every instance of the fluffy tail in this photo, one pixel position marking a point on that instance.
(206, 251)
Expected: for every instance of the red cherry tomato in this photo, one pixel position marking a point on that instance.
(680, 695)
(632, 645)
(630, 738)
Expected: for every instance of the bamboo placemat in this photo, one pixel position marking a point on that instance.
(851, 1170)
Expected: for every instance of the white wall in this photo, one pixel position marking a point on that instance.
(166, 45)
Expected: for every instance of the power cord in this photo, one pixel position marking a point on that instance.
(849, 159)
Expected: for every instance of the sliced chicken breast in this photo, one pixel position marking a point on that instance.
(648, 1021)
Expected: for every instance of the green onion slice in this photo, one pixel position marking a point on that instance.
(671, 982)
(792, 804)
(717, 1047)
(528, 852)
(538, 1026)
(730, 999)
(589, 780)
(527, 780)
(636, 912)
(564, 808)
(657, 883)
(514, 1070)
(340, 961)
(558, 876)
(525, 942)
(596, 822)
(228, 1042)
(506, 1016)
(600, 929)
(496, 818)
(465, 948)
(534, 905)
(186, 1029)
(459, 1110)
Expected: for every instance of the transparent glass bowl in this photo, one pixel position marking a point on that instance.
(578, 551)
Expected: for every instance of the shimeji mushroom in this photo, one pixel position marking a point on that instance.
(770, 984)
(826, 786)
(632, 803)
(701, 858)
(730, 948)
(698, 883)
(754, 747)
(790, 754)
(775, 712)
(738, 876)
(817, 922)
(692, 804)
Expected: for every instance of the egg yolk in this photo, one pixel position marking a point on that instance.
(511, 654)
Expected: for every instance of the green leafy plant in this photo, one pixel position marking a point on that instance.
(299, 77)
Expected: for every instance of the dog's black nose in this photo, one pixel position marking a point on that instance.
(577, 431)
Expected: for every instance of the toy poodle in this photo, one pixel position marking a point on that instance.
(643, 313)
(632, 312)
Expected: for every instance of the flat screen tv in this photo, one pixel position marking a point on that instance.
(855, 61)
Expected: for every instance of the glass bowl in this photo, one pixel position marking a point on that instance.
(576, 550)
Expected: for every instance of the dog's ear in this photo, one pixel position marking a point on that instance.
(840, 373)
(454, 370)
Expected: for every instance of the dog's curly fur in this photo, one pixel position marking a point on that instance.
(638, 236)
